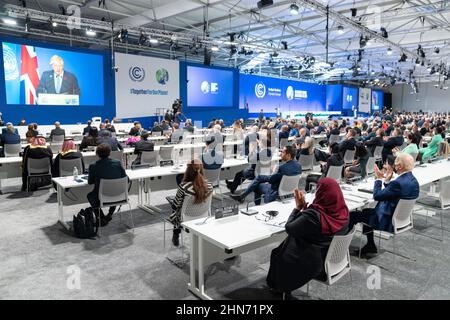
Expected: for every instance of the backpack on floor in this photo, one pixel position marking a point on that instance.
(85, 224)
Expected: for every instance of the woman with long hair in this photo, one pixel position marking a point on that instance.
(310, 228)
(194, 183)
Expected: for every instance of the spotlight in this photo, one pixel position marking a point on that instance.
(384, 32)
(10, 22)
(340, 29)
(153, 41)
(123, 35)
(436, 50)
(52, 25)
(90, 32)
(429, 67)
(362, 41)
(27, 23)
(285, 45)
(215, 48)
(389, 51)
(369, 42)
(403, 58)
(294, 9)
(417, 61)
(142, 39)
(433, 70)
(354, 11)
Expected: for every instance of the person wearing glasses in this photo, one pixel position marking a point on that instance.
(310, 229)
(267, 186)
(405, 186)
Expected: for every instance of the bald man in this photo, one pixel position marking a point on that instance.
(58, 131)
(58, 80)
(405, 186)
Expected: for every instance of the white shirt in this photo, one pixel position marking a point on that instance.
(55, 76)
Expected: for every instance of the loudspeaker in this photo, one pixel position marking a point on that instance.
(264, 3)
(207, 59)
(387, 100)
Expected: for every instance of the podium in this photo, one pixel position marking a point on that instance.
(47, 99)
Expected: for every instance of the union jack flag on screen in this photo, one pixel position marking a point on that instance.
(29, 73)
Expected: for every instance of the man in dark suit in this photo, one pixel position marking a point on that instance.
(136, 130)
(87, 129)
(105, 136)
(57, 131)
(395, 141)
(405, 186)
(58, 81)
(156, 128)
(348, 143)
(267, 186)
(141, 146)
(105, 168)
(261, 115)
(9, 136)
(377, 141)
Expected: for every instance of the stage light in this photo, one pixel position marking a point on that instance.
(369, 42)
(215, 48)
(403, 58)
(285, 45)
(389, 51)
(10, 22)
(417, 61)
(354, 12)
(142, 39)
(340, 29)
(294, 9)
(90, 32)
(384, 33)
(27, 23)
(153, 41)
(436, 50)
(123, 35)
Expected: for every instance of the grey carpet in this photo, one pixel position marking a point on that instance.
(36, 253)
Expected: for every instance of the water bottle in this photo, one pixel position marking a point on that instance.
(75, 173)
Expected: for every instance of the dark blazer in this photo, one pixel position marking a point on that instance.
(347, 144)
(86, 130)
(115, 145)
(88, 141)
(103, 169)
(157, 129)
(301, 256)
(334, 160)
(57, 132)
(142, 145)
(212, 160)
(390, 144)
(67, 156)
(9, 138)
(373, 143)
(289, 168)
(135, 132)
(69, 84)
(404, 187)
(283, 135)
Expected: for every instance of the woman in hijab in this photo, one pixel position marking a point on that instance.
(36, 150)
(301, 256)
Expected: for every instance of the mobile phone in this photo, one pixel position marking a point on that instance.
(79, 180)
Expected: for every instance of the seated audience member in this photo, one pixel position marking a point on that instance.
(283, 135)
(165, 125)
(9, 136)
(310, 230)
(109, 126)
(306, 147)
(188, 126)
(22, 123)
(295, 130)
(335, 159)
(69, 151)
(87, 129)
(431, 150)
(57, 131)
(212, 157)
(348, 143)
(106, 137)
(411, 149)
(142, 145)
(405, 186)
(104, 168)
(31, 133)
(261, 154)
(136, 130)
(156, 128)
(416, 133)
(251, 140)
(359, 165)
(395, 141)
(36, 150)
(425, 129)
(90, 140)
(320, 128)
(195, 184)
(177, 134)
(267, 186)
(377, 141)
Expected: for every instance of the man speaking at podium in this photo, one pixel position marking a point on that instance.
(58, 81)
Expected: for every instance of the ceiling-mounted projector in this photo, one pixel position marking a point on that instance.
(264, 3)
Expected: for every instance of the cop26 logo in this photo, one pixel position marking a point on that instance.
(137, 74)
(260, 90)
(349, 98)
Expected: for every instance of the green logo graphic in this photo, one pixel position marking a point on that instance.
(162, 76)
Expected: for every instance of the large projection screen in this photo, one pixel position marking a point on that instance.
(364, 100)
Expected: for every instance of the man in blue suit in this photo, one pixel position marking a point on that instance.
(405, 186)
(267, 186)
(58, 81)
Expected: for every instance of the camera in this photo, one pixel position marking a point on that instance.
(176, 106)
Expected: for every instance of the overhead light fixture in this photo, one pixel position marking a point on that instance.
(369, 42)
(27, 23)
(90, 32)
(354, 12)
(436, 50)
(384, 33)
(153, 41)
(389, 51)
(285, 45)
(215, 48)
(10, 22)
(123, 35)
(340, 29)
(294, 9)
(362, 41)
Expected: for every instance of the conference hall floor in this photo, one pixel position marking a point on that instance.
(36, 254)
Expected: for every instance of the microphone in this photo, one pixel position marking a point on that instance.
(248, 211)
